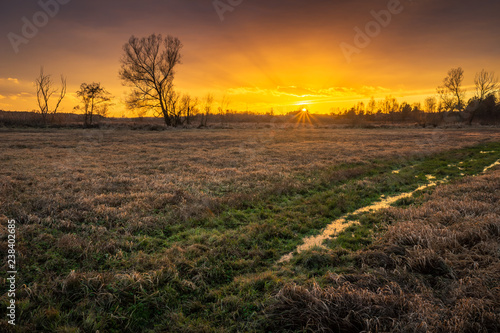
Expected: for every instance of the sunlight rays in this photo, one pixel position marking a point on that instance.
(303, 118)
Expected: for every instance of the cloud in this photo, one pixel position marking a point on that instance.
(370, 91)
(21, 95)
(247, 90)
(297, 92)
(14, 88)
(6, 81)
(301, 92)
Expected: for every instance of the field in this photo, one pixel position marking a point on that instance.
(183, 230)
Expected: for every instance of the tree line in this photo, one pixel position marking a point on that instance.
(148, 67)
(450, 100)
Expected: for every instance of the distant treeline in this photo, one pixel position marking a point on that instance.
(486, 112)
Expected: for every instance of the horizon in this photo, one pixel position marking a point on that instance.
(282, 56)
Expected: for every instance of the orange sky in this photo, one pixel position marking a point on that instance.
(263, 55)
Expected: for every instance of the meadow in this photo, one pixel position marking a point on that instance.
(183, 230)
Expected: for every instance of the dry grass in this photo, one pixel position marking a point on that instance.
(121, 230)
(117, 178)
(435, 270)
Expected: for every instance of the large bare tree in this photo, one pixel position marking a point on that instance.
(486, 84)
(451, 92)
(148, 65)
(44, 91)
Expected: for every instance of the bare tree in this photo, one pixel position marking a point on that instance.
(360, 109)
(207, 108)
(390, 104)
(148, 66)
(446, 101)
(44, 92)
(486, 87)
(486, 84)
(188, 106)
(95, 100)
(174, 108)
(372, 105)
(430, 104)
(223, 107)
(451, 92)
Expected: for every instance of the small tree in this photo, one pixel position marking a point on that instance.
(223, 107)
(484, 101)
(430, 104)
(95, 100)
(188, 106)
(372, 105)
(446, 102)
(451, 93)
(44, 92)
(486, 84)
(406, 110)
(360, 109)
(174, 108)
(207, 108)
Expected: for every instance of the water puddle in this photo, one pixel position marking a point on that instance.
(491, 166)
(342, 223)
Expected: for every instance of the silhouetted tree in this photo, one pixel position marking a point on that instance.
(430, 104)
(148, 66)
(486, 109)
(207, 109)
(406, 110)
(94, 98)
(451, 92)
(389, 105)
(223, 107)
(44, 92)
(174, 109)
(486, 84)
(372, 105)
(360, 109)
(484, 101)
(188, 107)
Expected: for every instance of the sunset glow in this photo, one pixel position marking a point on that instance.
(261, 55)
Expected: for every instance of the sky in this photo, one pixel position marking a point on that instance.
(281, 54)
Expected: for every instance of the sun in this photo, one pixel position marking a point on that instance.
(303, 117)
